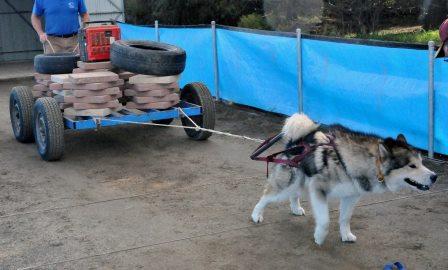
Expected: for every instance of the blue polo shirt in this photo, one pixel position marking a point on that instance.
(61, 16)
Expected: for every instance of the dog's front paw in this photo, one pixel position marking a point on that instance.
(257, 217)
(350, 237)
(320, 235)
(298, 211)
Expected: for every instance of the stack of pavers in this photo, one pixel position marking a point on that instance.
(152, 92)
(41, 89)
(124, 75)
(88, 94)
(86, 67)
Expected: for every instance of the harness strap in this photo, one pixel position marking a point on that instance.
(303, 148)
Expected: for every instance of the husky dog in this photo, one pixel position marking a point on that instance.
(352, 165)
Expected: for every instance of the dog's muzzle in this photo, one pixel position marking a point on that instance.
(417, 184)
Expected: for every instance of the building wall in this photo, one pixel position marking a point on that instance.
(19, 42)
(106, 9)
(17, 39)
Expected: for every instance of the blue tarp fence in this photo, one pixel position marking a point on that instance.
(373, 87)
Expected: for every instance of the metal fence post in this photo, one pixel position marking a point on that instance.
(431, 99)
(156, 26)
(299, 69)
(215, 61)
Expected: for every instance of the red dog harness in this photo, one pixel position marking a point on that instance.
(303, 148)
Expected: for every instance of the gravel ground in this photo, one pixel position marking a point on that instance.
(149, 198)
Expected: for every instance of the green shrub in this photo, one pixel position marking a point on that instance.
(421, 36)
(253, 21)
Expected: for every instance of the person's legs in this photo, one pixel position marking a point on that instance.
(54, 45)
(61, 45)
(71, 45)
(47, 48)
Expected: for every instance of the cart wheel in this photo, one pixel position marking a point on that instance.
(163, 121)
(197, 93)
(21, 113)
(48, 128)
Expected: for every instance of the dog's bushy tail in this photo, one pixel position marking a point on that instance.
(298, 126)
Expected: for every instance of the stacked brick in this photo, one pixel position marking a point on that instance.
(87, 94)
(152, 92)
(41, 89)
(85, 67)
(124, 75)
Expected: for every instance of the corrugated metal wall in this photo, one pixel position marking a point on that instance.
(19, 42)
(106, 9)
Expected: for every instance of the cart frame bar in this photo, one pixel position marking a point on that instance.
(88, 122)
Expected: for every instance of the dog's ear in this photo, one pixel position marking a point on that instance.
(401, 139)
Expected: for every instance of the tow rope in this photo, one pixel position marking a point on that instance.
(195, 126)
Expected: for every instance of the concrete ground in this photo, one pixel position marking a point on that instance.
(149, 198)
(16, 70)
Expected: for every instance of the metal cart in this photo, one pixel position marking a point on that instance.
(43, 121)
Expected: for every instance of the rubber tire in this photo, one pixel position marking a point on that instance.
(164, 121)
(197, 93)
(148, 57)
(23, 97)
(56, 63)
(53, 127)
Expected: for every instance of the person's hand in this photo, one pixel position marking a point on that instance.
(43, 37)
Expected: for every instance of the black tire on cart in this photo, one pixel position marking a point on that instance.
(148, 57)
(56, 63)
(163, 121)
(21, 113)
(198, 93)
(48, 129)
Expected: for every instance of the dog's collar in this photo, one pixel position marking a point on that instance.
(378, 162)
